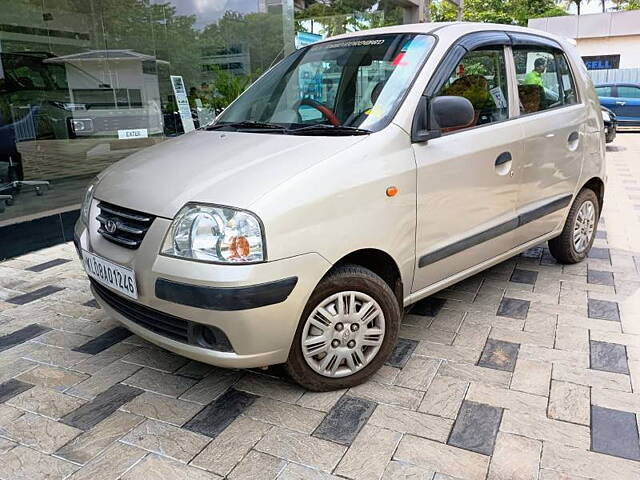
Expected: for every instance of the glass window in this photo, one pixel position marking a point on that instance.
(627, 91)
(544, 79)
(481, 77)
(604, 91)
(352, 83)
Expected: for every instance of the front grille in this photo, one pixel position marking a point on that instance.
(166, 325)
(175, 328)
(123, 226)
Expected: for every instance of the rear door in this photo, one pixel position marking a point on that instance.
(554, 124)
(628, 104)
(607, 98)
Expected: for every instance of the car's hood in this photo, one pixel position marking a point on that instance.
(225, 168)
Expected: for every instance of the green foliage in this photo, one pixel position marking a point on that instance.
(627, 4)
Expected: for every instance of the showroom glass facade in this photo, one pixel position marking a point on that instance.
(85, 83)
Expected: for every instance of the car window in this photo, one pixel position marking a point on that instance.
(604, 91)
(544, 79)
(628, 91)
(481, 78)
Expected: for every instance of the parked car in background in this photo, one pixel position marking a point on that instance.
(623, 99)
(610, 124)
(296, 229)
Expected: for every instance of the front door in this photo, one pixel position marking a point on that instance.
(468, 180)
(628, 104)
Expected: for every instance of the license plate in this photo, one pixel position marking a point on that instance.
(119, 278)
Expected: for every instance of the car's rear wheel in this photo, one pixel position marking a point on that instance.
(579, 232)
(347, 330)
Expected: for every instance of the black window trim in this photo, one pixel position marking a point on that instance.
(473, 41)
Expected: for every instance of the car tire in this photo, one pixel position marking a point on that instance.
(371, 303)
(582, 222)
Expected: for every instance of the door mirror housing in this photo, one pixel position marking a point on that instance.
(440, 114)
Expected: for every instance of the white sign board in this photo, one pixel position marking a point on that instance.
(180, 92)
(133, 133)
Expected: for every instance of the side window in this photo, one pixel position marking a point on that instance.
(628, 91)
(544, 79)
(604, 91)
(481, 77)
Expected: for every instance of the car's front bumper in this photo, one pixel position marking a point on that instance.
(257, 307)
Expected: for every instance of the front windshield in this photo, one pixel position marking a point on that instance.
(354, 82)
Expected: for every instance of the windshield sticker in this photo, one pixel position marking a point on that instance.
(498, 97)
(356, 43)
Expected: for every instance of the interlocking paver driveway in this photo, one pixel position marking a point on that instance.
(528, 370)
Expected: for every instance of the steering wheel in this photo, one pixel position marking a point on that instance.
(321, 107)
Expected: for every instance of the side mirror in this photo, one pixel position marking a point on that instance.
(441, 113)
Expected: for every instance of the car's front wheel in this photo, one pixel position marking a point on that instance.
(348, 329)
(576, 239)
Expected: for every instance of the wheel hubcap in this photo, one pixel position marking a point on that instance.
(584, 226)
(343, 334)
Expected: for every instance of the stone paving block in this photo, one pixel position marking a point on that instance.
(386, 375)
(524, 276)
(344, 421)
(476, 427)
(569, 402)
(34, 295)
(572, 338)
(228, 448)
(514, 308)
(538, 427)
(159, 382)
(54, 356)
(553, 355)
(20, 336)
(155, 466)
(22, 463)
(115, 461)
(48, 264)
(157, 359)
(217, 416)
(94, 441)
(369, 454)
(38, 432)
(472, 336)
(402, 352)
(599, 253)
(163, 408)
(418, 373)
(402, 470)
(603, 310)
(499, 355)
(285, 415)
(506, 398)
(211, 387)
(615, 433)
(391, 395)
(195, 370)
(103, 379)
(428, 307)
(58, 338)
(11, 388)
(597, 277)
(257, 466)
(322, 401)
(46, 402)
(299, 448)
(444, 397)
(587, 464)
(104, 341)
(103, 405)
(442, 458)
(515, 458)
(592, 378)
(448, 352)
(415, 423)
(270, 387)
(167, 440)
(51, 377)
(609, 357)
(616, 400)
(105, 358)
(471, 373)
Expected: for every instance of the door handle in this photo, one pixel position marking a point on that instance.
(503, 158)
(573, 141)
(622, 104)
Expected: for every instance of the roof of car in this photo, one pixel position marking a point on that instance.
(445, 28)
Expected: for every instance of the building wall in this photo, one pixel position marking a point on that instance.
(628, 47)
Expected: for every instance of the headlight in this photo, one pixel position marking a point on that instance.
(215, 234)
(605, 116)
(86, 203)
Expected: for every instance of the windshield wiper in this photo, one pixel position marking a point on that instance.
(322, 129)
(246, 125)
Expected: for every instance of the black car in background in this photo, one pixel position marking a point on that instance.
(610, 124)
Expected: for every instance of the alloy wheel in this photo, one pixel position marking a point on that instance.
(584, 226)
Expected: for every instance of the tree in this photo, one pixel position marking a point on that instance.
(578, 4)
(626, 4)
(511, 12)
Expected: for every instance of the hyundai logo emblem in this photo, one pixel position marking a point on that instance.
(111, 226)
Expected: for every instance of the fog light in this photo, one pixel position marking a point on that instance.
(210, 337)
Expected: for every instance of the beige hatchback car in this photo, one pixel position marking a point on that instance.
(354, 178)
